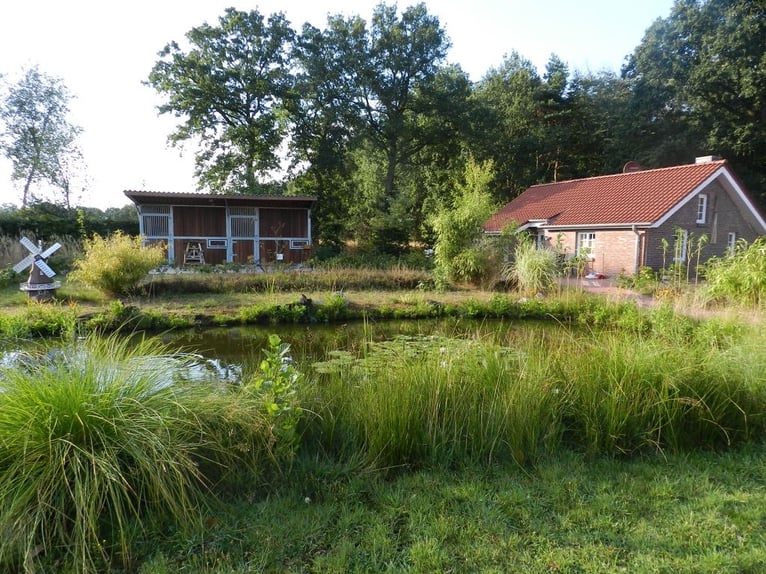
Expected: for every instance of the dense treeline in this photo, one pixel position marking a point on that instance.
(380, 127)
(47, 220)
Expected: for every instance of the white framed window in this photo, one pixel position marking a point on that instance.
(299, 243)
(217, 243)
(701, 208)
(731, 243)
(680, 245)
(586, 243)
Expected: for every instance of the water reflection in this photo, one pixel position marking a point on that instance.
(229, 354)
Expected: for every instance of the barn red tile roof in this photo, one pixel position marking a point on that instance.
(640, 197)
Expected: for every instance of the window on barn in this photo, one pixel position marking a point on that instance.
(155, 220)
(243, 221)
(701, 208)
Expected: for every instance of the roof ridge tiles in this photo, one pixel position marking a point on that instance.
(633, 173)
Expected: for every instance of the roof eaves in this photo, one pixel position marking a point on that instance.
(600, 226)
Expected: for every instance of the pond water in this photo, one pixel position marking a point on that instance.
(232, 351)
(311, 343)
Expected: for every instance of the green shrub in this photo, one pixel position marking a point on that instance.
(460, 254)
(116, 264)
(740, 277)
(40, 319)
(8, 277)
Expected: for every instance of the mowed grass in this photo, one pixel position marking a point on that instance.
(698, 512)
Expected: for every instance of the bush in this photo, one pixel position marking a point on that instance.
(116, 264)
(740, 277)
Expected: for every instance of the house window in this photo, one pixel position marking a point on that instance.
(701, 208)
(680, 245)
(731, 243)
(586, 243)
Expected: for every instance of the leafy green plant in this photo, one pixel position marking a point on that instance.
(457, 227)
(333, 308)
(41, 320)
(276, 385)
(739, 277)
(116, 264)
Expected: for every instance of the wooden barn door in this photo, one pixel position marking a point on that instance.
(243, 223)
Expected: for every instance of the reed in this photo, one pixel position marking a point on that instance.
(413, 402)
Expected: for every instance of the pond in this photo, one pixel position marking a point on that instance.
(231, 351)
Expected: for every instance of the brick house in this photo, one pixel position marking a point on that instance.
(200, 228)
(637, 218)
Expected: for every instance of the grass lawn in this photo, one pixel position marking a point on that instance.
(700, 512)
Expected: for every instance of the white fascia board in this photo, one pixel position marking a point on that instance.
(599, 226)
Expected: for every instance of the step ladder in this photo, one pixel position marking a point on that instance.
(194, 253)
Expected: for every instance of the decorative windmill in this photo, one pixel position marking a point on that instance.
(39, 285)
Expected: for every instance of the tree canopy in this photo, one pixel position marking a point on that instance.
(37, 136)
(371, 118)
(232, 87)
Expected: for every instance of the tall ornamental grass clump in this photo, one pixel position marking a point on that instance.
(533, 270)
(632, 394)
(107, 440)
(414, 401)
(116, 264)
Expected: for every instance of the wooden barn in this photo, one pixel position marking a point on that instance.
(201, 228)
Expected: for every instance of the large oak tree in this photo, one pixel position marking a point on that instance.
(231, 88)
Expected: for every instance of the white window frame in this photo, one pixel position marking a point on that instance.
(217, 243)
(702, 208)
(683, 235)
(586, 244)
(299, 243)
(731, 243)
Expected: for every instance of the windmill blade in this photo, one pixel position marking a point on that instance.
(43, 266)
(50, 251)
(30, 245)
(24, 263)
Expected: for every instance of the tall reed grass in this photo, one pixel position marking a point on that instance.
(414, 402)
(106, 439)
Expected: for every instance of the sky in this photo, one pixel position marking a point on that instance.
(103, 51)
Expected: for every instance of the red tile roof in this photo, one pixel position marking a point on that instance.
(639, 197)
